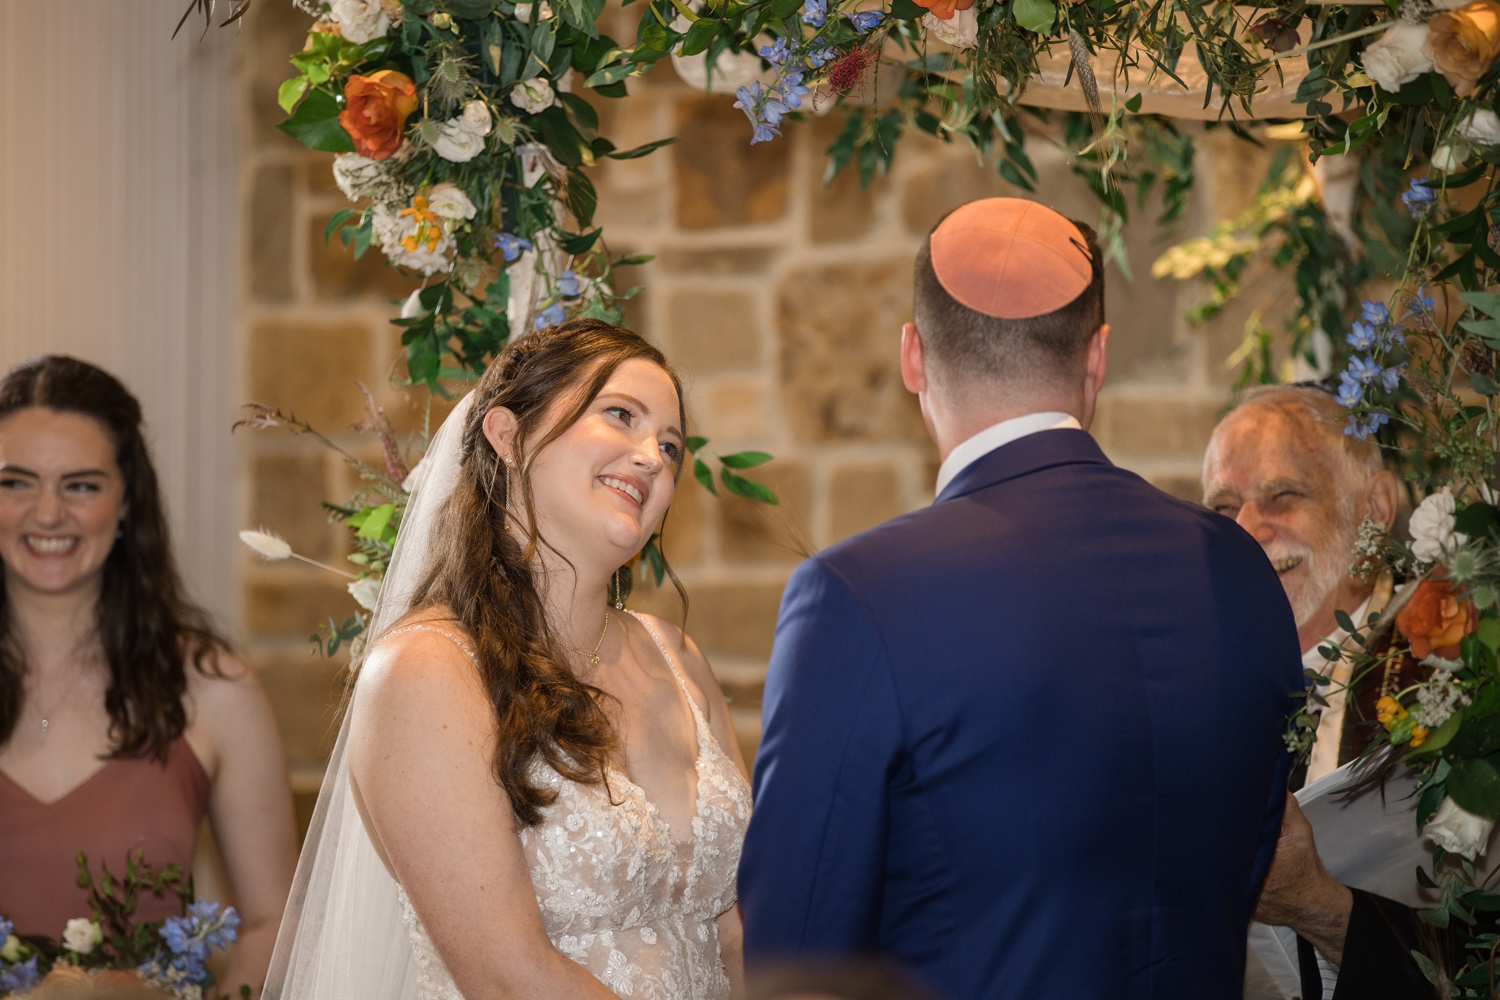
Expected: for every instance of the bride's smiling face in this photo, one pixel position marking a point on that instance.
(603, 485)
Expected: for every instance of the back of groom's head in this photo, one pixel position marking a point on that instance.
(1007, 289)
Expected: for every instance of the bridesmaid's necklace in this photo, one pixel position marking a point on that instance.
(70, 690)
(593, 657)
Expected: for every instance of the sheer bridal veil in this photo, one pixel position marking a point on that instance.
(342, 936)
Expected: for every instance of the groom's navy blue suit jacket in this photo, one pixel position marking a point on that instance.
(1026, 742)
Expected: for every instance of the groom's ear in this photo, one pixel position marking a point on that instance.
(500, 426)
(913, 363)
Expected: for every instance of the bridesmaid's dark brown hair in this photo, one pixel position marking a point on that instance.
(147, 626)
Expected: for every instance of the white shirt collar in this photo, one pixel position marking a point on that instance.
(996, 435)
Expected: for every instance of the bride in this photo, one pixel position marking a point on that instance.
(535, 793)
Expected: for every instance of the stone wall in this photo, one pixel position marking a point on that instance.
(780, 300)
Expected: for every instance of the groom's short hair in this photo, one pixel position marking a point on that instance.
(966, 342)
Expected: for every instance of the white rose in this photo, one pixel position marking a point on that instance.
(532, 96)
(1397, 58)
(1481, 127)
(457, 145)
(1451, 155)
(365, 590)
(354, 174)
(1431, 527)
(391, 228)
(360, 20)
(474, 117)
(961, 31)
(449, 201)
(1458, 831)
(81, 935)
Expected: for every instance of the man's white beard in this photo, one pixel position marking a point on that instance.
(1327, 566)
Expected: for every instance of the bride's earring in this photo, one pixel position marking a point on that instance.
(506, 507)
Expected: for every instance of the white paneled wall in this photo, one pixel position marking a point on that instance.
(118, 245)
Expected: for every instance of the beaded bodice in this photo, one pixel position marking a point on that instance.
(618, 893)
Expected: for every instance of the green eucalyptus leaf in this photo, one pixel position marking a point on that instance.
(1478, 519)
(582, 116)
(702, 32)
(610, 75)
(747, 488)
(639, 151)
(338, 219)
(1474, 785)
(290, 92)
(1035, 15)
(1487, 303)
(906, 10)
(577, 243)
(315, 124)
(695, 443)
(704, 476)
(745, 459)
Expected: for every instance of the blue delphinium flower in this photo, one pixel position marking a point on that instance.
(815, 13)
(791, 89)
(178, 933)
(511, 246)
(5, 929)
(1351, 392)
(1363, 337)
(1419, 196)
(567, 284)
(817, 57)
(1420, 304)
(1365, 370)
(865, 20)
(1375, 312)
(19, 978)
(550, 316)
(776, 53)
(1390, 379)
(1362, 428)
(764, 109)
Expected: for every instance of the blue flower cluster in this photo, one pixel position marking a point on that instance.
(815, 13)
(190, 939)
(17, 977)
(1375, 334)
(767, 106)
(567, 288)
(865, 20)
(1419, 197)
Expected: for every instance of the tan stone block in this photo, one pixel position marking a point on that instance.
(755, 532)
(712, 331)
(338, 276)
(295, 608)
(317, 174)
(288, 492)
(734, 619)
(682, 532)
(270, 222)
(737, 411)
(862, 496)
(716, 260)
(307, 696)
(1161, 427)
(722, 180)
(954, 180)
(840, 353)
(271, 33)
(1189, 488)
(310, 367)
(839, 211)
(411, 409)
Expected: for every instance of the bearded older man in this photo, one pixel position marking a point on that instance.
(1281, 465)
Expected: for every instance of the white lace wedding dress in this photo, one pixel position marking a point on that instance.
(618, 893)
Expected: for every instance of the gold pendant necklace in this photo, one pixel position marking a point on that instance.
(593, 657)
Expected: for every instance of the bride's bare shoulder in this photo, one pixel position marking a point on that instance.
(427, 646)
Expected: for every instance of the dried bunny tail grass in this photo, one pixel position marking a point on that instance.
(266, 544)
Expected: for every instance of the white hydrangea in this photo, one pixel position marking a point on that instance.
(960, 31)
(1432, 534)
(1396, 58)
(360, 20)
(533, 95)
(449, 201)
(391, 228)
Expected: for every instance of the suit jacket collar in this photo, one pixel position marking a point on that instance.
(1026, 455)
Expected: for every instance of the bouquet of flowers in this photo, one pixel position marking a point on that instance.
(110, 954)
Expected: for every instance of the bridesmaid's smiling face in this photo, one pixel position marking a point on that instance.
(604, 484)
(62, 499)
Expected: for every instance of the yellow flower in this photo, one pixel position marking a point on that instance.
(1389, 712)
(1418, 736)
(428, 230)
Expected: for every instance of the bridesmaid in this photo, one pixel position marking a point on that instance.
(123, 717)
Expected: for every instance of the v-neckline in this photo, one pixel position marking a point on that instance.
(65, 795)
(699, 726)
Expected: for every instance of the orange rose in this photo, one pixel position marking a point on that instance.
(944, 10)
(1435, 619)
(375, 112)
(1463, 43)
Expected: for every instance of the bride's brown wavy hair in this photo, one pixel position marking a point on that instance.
(483, 576)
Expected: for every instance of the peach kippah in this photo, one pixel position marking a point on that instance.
(1010, 258)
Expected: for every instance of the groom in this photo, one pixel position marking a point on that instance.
(1025, 742)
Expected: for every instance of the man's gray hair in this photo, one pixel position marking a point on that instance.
(1362, 459)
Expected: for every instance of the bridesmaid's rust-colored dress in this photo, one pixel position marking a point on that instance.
(125, 806)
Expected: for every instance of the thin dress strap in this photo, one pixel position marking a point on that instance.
(671, 663)
(464, 646)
